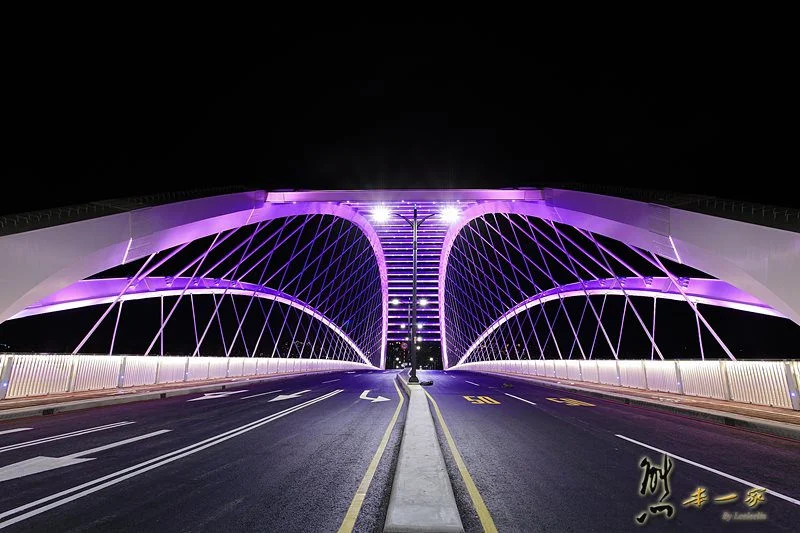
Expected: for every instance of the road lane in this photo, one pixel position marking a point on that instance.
(266, 478)
(559, 465)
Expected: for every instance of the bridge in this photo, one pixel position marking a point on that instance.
(596, 327)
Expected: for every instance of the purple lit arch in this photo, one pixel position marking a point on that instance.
(758, 264)
(40, 263)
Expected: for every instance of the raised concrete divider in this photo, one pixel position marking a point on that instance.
(422, 498)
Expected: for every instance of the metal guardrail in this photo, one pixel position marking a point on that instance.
(773, 383)
(17, 223)
(755, 213)
(37, 375)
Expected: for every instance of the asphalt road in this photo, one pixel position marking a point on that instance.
(248, 459)
(562, 465)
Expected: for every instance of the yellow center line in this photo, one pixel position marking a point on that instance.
(477, 500)
(361, 492)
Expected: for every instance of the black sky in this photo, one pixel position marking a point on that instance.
(92, 115)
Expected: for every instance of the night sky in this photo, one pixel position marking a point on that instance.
(91, 115)
(697, 107)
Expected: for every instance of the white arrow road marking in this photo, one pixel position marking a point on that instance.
(261, 394)
(65, 496)
(214, 395)
(64, 436)
(280, 397)
(43, 464)
(378, 399)
(4, 432)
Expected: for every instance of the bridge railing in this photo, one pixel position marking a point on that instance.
(772, 383)
(19, 222)
(41, 374)
(787, 218)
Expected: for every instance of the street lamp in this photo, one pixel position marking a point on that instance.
(381, 214)
(415, 223)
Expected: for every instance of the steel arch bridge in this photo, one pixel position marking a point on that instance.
(508, 274)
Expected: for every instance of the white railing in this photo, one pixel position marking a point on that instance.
(41, 374)
(773, 383)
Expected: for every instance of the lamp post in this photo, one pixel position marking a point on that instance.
(382, 214)
(415, 223)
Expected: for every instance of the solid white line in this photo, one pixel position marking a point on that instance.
(6, 431)
(148, 465)
(63, 436)
(521, 399)
(119, 443)
(471, 383)
(261, 394)
(331, 381)
(704, 467)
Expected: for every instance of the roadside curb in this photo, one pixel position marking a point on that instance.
(760, 425)
(422, 497)
(89, 403)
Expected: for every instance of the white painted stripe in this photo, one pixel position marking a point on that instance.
(145, 466)
(261, 394)
(119, 443)
(40, 464)
(331, 381)
(7, 431)
(63, 436)
(718, 472)
(471, 383)
(521, 399)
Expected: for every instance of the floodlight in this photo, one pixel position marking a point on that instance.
(380, 213)
(449, 214)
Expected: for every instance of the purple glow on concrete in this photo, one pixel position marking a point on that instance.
(705, 291)
(100, 291)
(405, 196)
(46, 261)
(761, 261)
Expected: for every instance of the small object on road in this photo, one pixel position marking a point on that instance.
(426, 383)
(507, 385)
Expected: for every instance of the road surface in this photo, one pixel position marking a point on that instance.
(288, 455)
(284, 456)
(548, 460)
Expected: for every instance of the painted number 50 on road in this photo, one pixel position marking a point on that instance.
(481, 400)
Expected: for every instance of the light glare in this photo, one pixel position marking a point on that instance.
(380, 213)
(423, 302)
(449, 214)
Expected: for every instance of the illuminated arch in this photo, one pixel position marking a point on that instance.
(757, 260)
(42, 262)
